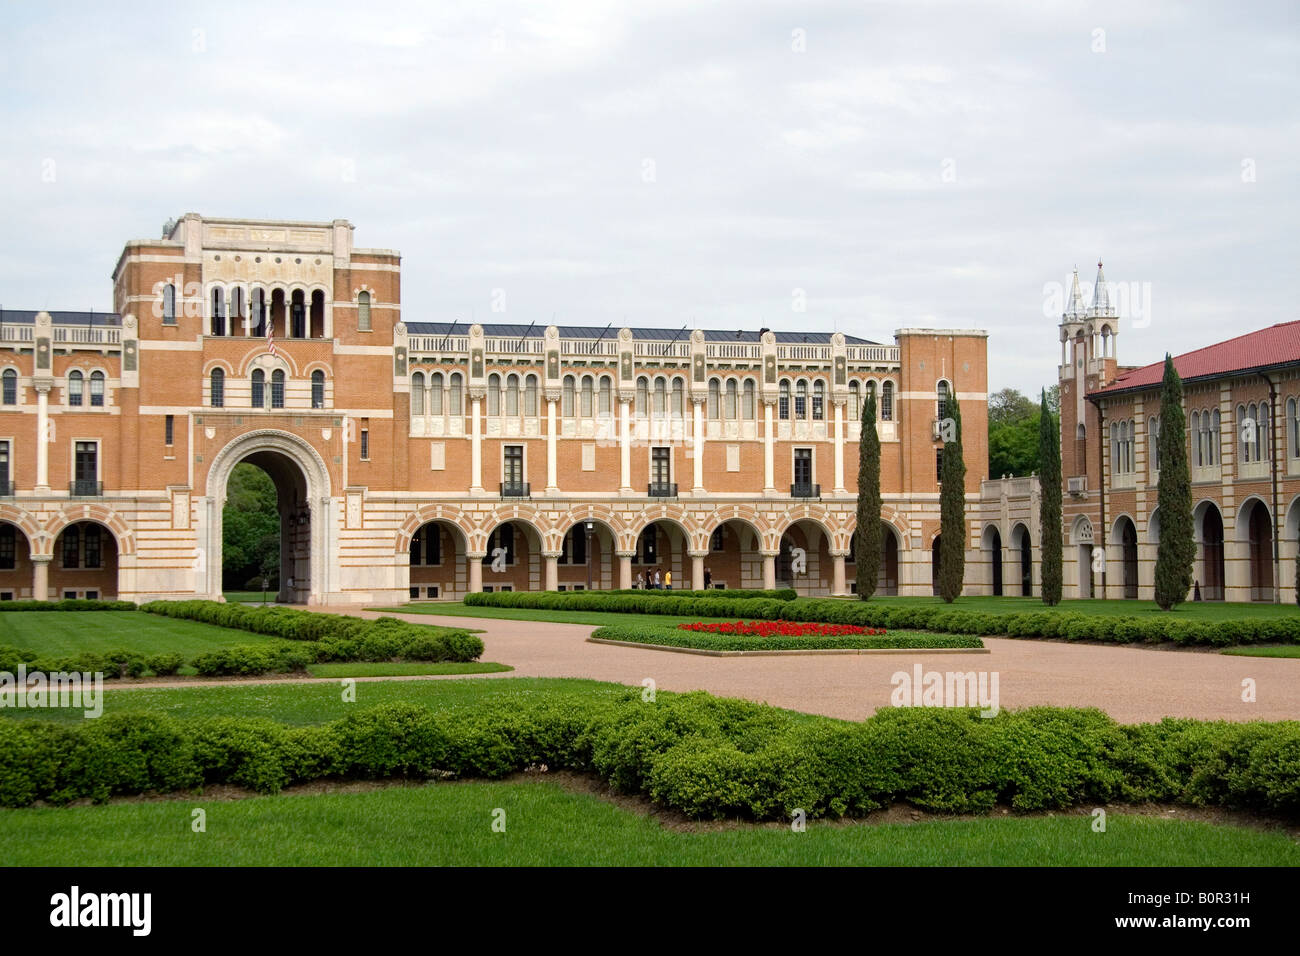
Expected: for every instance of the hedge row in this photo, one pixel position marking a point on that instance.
(112, 663)
(693, 753)
(78, 604)
(672, 637)
(1070, 625)
(777, 594)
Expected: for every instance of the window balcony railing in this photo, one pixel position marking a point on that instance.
(805, 489)
(662, 489)
(515, 489)
(85, 488)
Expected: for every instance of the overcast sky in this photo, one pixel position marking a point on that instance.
(888, 165)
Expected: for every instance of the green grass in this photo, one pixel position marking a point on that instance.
(595, 618)
(1290, 650)
(702, 640)
(249, 597)
(545, 825)
(403, 668)
(60, 633)
(316, 703)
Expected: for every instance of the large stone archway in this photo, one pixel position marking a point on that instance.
(307, 517)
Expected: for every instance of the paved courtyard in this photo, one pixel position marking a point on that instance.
(1132, 684)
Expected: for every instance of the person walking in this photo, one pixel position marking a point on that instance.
(658, 581)
(708, 579)
(668, 580)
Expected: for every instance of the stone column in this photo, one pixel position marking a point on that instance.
(697, 569)
(838, 586)
(552, 484)
(624, 570)
(698, 443)
(769, 570)
(552, 579)
(475, 559)
(41, 577)
(769, 439)
(625, 448)
(42, 435)
(476, 445)
(839, 447)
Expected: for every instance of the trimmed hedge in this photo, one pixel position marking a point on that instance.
(1069, 625)
(673, 637)
(77, 604)
(700, 755)
(778, 594)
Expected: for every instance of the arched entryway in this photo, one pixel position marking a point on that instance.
(734, 559)
(1259, 535)
(302, 489)
(804, 562)
(991, 548)
(85, 563)
(15, 563)
(1125, 537)
(661, 546)
(513, 558)
(587, 560)
(437, 561)
(887, 575)
(1209, 547)
(1024, 566)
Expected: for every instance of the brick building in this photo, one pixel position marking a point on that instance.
(1240, 400)
(423, 460)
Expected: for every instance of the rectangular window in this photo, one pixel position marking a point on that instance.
(93, 552)
(661, 465)
(218, 391)
(277, 390)
(5, 467)
(715, 543)
(365, 439)
(71, 546)
(818, 410)
(92, 595)
(86, 468)
(259, 389)
(938, 464)
(783, 407)
(513, 465)
(8, 547)
(415, 592)
(800, 407)
(803, 466)
(169, 430)
(97, 390)
(646, 546)
(69, 595)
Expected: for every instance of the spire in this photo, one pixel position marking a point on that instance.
(1075, 306)
(1100, 295)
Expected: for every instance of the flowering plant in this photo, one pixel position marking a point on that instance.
(780, 629)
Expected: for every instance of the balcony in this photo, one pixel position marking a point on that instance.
(85, 488)
(661, 489)
(515, 489)
(804, 489)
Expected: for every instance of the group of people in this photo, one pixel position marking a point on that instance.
(655, 579)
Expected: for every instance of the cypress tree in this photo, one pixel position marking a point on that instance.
(1049, 503)
(868, 536)
(1177, 548)
(952, 509)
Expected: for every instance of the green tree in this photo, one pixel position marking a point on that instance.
(952, 505)
(868, 536)
(1049, 502)
(250, 526)
(1013, 431)
(1177, 548)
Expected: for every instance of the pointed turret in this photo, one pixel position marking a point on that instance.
(1100, 294)
(1075, 305)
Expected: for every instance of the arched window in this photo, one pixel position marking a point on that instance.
(1242, 429)
(435, 394)
(605, 403)
(75, 387)
(1263, 431)
(363, 312)
(801, 400)
(855, 400)
(1080, 433)
(417, 394)
(586, 406)
(819, 400)
(748, 404)
(217, 382)
(887, 402)
(259, 312)
(318, 389)
(1130, 439)
(732, 400)
(783, 400)
(642, 407)
(1292, 426)
(942, 390)
(259, 388)
(454, 396)
(9, 388)
(236, 310)
(715, 392)
(1198, 440)
(661, 396)
(277, 389)
(169, 305)
(1114, 448)
(530, 396)
(566, 397)
(1153, 442)
(97, 389)
(218, 311)
(679, 397)
(512, 395)
(494, 395)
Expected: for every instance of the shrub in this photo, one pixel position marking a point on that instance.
(78, 604)
(165, 665)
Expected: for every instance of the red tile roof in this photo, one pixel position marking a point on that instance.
(1274, 345)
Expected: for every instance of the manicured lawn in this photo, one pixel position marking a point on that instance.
(58, 633)
(1288, 651)
(545, 825)
(457, 609)
(317, 703)
(403, 668)
(675, 637)
(249, 597)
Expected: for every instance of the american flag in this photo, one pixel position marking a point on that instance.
(270, 336)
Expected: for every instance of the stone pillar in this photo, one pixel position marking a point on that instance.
(476, 445)
(43, 436)
(769, 439)
(838, 586)
(41, 577)
(698, 443)
(839, 448)
(552, 580)
(625, 447)
(697, 569)
(475, 559)
(552, 484)
(769, 570)
(624, 570)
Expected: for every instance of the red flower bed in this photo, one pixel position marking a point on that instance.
(780, 629)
